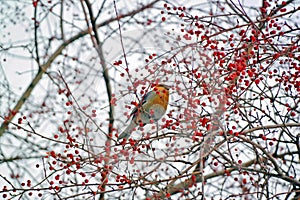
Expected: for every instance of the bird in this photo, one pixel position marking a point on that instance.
(153, 107)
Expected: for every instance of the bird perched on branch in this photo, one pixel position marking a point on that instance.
(153, 107)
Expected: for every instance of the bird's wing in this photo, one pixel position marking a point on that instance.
(148, 96)
(133, 112)
(145, 99)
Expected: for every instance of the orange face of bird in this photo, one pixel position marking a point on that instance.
(163, 93)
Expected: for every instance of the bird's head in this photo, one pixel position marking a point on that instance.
(161, 87)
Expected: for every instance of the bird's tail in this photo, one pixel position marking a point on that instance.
(126, 133)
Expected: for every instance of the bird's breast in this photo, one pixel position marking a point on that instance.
(156, 111)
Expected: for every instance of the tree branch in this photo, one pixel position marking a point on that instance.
(47, 64)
